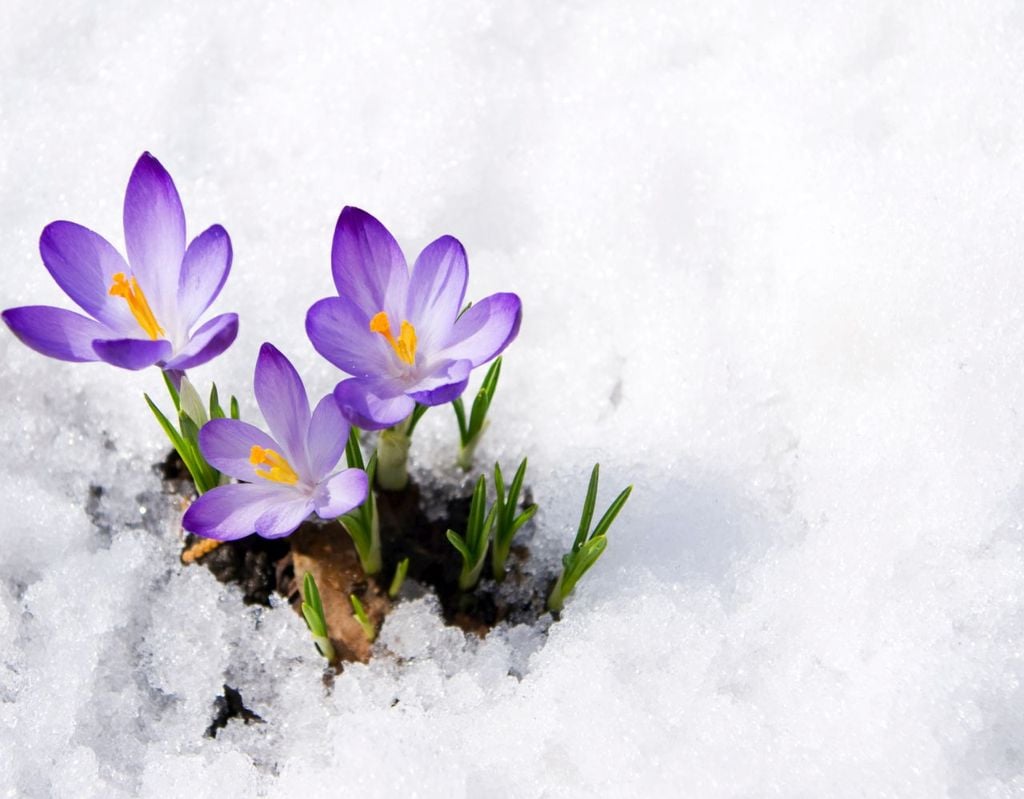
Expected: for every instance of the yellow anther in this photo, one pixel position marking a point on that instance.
(405, 346)
(137, 304)
(280, 471)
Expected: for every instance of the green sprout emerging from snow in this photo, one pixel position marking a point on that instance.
(473, 546)
(362, 523)
(364, 621)
(506, 522)
(471, 430)
(313, 610)
(192, 415)
(588, 546)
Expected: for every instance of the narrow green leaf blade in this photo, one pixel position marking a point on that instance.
(612, 512)
(588, 509)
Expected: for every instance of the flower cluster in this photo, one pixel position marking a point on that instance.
(405, 340)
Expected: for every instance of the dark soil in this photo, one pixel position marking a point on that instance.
(229, 706)
(262, 567)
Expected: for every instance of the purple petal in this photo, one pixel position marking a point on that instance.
(284, 404)
(441, 395)
(372, 403)
(446, 382)
(227, 444)
(483, 331)
(340, 493)
(326, 438)
(84, 264)
(203, 272)
(132, 353)
(207, 342)
(55, 332)
(282, 519)
(154, 232)
(436, 291)
(340, 331)
(368, 265)
(231, 511)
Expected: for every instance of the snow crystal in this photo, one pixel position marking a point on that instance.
(770, 257)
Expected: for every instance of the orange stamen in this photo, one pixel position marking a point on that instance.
(137, 304)
(280, 471)
(405, 346)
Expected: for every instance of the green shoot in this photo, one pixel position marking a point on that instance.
(362, 523)
(506, 522)
(588, 545)
(473, 547)
(192, 415)
(472, 429)
(364, 621)
(396, 582)
(313, 611)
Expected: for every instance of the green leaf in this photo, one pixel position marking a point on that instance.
(314, 621)
(311, 593)
(169, 429)
(582, 561)
(477, 509)
(483, 399)
(588, 509)
(460, 417)
(457, 541)
(499, 487)
(371, 468)
(522, 519)
(172, 390)
(362, 618)
(216, 411)
(396, 582)
(513, 493)
(414, 417)
(185, 449)
(234, 409)
(354, 452)
(612, 512)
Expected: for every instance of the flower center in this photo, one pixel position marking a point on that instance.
(137, 304)
(279, 470)
(405, 346)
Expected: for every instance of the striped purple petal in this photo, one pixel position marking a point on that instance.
(372, 403)
(56, 332)
(340, 493)
(368, 265)
(232, 511)
(483, 332)
(83, 264)
(154, 232)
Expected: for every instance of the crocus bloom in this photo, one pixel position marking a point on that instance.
(289, 473)
(141, 311)
(401, 337)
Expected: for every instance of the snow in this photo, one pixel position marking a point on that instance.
(770, 261)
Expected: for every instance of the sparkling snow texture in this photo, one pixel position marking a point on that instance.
(772, 265)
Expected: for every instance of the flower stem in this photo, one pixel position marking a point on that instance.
(393, 457)
(468, 450)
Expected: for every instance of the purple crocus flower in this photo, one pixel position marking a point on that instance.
(401, 337)
(142, 310)
(289, 473)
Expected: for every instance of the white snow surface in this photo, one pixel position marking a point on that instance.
(771, 263)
